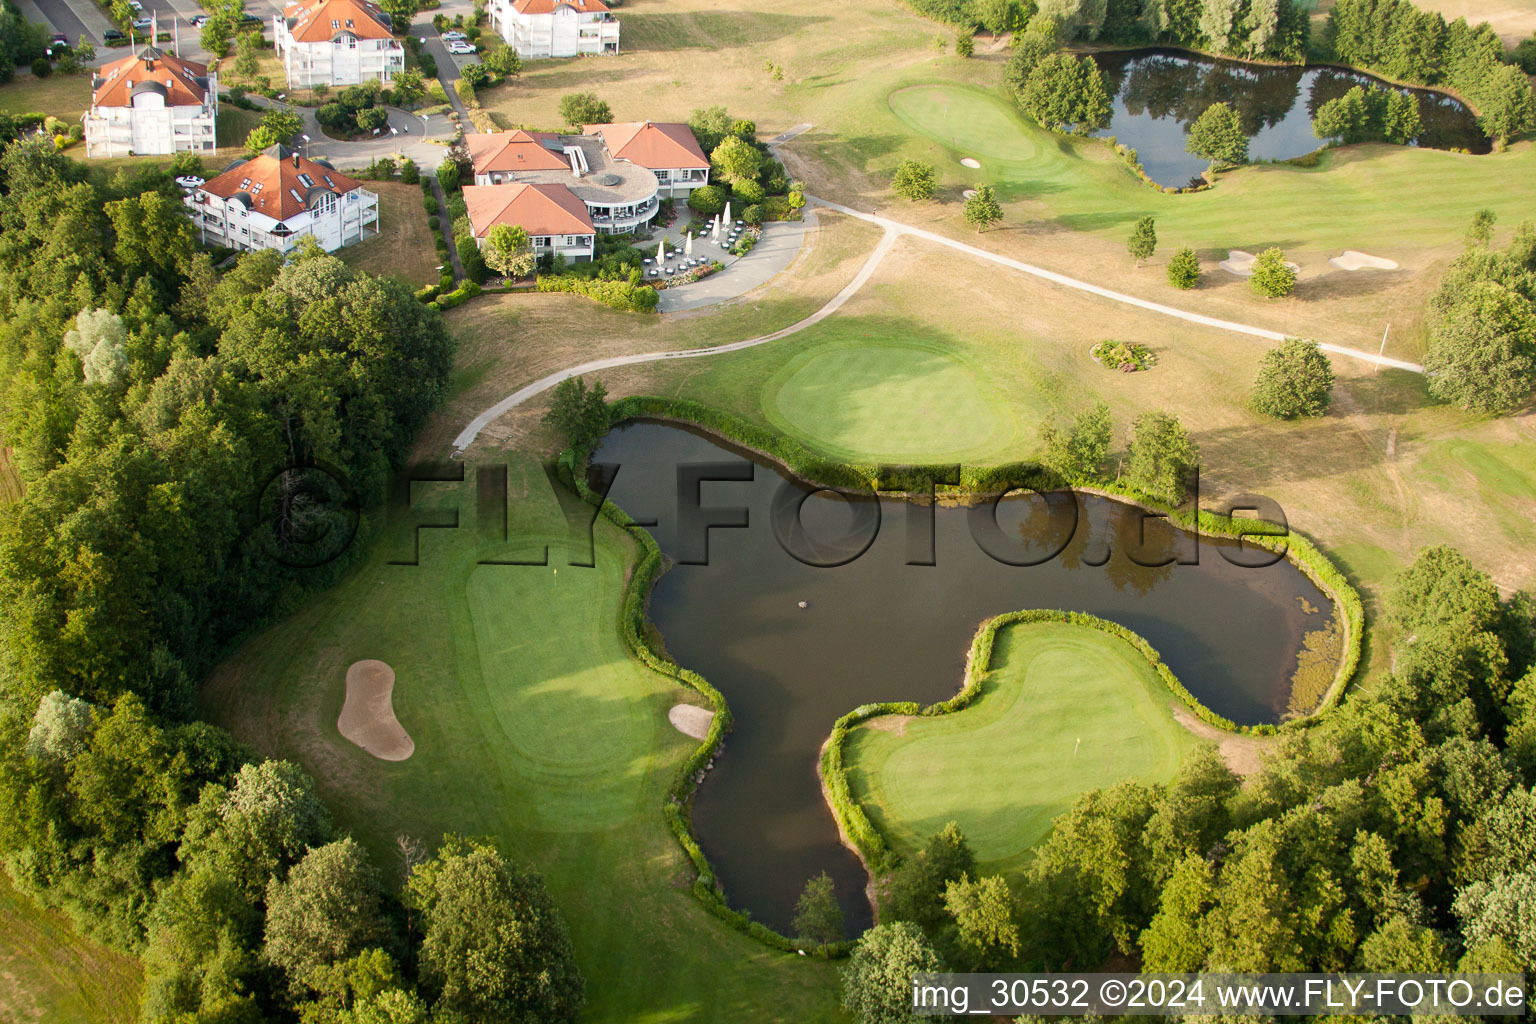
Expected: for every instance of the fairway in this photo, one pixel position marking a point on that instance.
(882, 399)
(533, 725)
(1065, 709)
(50, 973)
(969, 121)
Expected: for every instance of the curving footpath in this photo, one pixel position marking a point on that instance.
(893, 230)
(468, 434)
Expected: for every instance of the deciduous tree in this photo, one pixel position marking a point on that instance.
(1295, 379)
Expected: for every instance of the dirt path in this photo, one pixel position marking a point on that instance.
(1243, 754)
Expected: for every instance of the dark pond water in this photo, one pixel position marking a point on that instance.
(1158, 94)
(878, 628)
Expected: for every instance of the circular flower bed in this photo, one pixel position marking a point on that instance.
(1125, 356)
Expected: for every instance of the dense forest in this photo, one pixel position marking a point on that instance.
(1275, 29)
(1395, 835)
(159, 409)
(1396, 39)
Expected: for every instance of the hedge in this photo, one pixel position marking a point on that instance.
(853, 822)
(630, 296)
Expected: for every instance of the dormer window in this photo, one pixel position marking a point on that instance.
(335, 23)
(349, 23)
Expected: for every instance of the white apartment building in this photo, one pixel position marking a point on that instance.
(555, 28)
(336, 42)
(151, 103)
(279, 197)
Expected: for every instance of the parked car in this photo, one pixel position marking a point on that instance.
(249, 20)
(135, 5)
(460, 48)
(113, 35)
(143, 24)
(59, 41)
(453, 37)
(199, 21)
(189, 181)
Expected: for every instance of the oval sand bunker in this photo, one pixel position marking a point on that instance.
(1353, 259)
(970, 161)
(691, 720)
(368, 714)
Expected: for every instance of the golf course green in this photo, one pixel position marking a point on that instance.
(877, 399)
(971, 122)
(1065, 708)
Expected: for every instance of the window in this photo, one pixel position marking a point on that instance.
(335, 23)
(349, 23)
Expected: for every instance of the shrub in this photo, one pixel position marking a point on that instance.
(477, 76)
(474, 263)
(429, 202)
(913, 180)
(965, 45)
(753, 214)
(1272, 276)
(1125, 356)
(465, 90)
(410, 174)
(371, 119)
(1184, 269)
(435, 222)
(748, 192)
(448, 175)
(42, 68)
(707, 200)
(1294, 380)
(579, 109)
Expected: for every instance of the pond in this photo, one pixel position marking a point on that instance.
(1158, 94)
(878, 628)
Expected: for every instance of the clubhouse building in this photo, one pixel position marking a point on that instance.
(667, 149)
(619, 196)
(555, 28)
(554, 218)
(618, 173)
(279, 197)
(336, 43)
(152, 103)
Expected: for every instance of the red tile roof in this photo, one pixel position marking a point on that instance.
(183, 82)
(537, 209)
(651, 144)
(548, 6)
(515, 151)
(278, 182)
(312, 22)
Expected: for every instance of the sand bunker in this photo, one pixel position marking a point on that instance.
(691, 720)
(368, 715)
(1350, 259)
(971, 162)
(1241, 263)
(969, 193)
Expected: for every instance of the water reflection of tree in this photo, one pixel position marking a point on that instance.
(1106, 534)
(1178, 87)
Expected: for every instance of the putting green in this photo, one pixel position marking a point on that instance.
(969, 121)
(1065, 709)
(883, 400)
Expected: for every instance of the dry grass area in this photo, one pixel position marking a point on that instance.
(506, 341)
(403, 248)
(680, 55)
